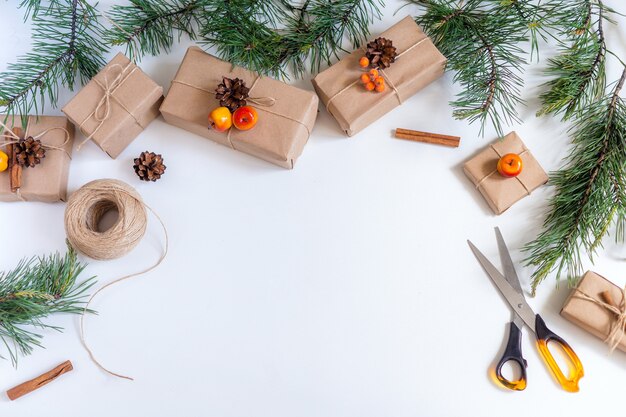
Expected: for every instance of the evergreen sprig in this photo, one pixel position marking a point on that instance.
(32, 291)
(578, 72)
(590, 192)
(481, 41)
(66, 45)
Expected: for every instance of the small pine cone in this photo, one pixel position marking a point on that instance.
(232, 93)
(149, 166)
(381, 53)
(29, 152)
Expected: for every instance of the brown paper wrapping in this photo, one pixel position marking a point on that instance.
(46, 182)
(502, 192)
(356, 108)
(282, 130)
(134, 103)
(588, 315)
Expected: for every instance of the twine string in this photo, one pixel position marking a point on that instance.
(102, 112)
(84, 210)
(483, 179)
(382, 72)
(617, 326)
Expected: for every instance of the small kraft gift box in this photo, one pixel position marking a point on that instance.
(502, 192)
(286, 114)
(417, 64)
(598, 306)
(39, 158)
(115, 106)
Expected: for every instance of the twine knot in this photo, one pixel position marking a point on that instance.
(617, 326)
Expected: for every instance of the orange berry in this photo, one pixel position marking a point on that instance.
(380, 88)
(365, 78)
(370, 86)
(364, 62)
(374, 73)
(379, 81)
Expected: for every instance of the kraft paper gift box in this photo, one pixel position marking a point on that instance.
(47, 181)
(116, 105)
(282, 130)
(418, 64)
(584, 306)
(502, 192)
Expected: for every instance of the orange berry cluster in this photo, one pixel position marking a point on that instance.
(373, 81)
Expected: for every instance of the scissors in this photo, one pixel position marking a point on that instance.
(511, 289)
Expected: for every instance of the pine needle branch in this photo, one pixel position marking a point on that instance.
(32, 291)
(65, 45)
(589, 192)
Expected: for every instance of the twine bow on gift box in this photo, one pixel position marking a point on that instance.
(15, 169)
(382, 73)
(102, 112)
(617, 331)
(483, 179)
(262, 102)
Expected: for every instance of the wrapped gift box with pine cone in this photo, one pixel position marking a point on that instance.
(116, 105)
(406, 60)
(286, 114)
(39, 158)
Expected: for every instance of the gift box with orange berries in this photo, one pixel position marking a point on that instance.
(371, 81)
(505, 172)
(238, 108)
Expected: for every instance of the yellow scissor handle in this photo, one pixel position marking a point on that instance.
(544, 336)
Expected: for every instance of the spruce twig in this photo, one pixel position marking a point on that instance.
(32, 291)
(65, 45)
(589, 192)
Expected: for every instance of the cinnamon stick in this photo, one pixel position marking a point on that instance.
(15, 168)
(428, 137)
(30, 386)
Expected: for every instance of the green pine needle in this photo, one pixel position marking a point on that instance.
(36, 288)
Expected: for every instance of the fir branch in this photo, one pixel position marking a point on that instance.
(65, 45)
(32, 291)
(482, 49)
(579, 71)
(589, 192)
(148, 26)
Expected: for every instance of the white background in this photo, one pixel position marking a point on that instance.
(342, 288)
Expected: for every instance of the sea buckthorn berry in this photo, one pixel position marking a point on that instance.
(370, 86)
(380, 88)
(374, 73)
(379, 81)
(364, 62)
(365, 78)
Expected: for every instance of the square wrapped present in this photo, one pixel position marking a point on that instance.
(589, 307)
(46, 181)
(502, 192)
(417, 64)
(286, 113)
(116, 105)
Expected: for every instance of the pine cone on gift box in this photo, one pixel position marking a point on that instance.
(232, 93)
(29, 152)
(381, 53)
(149, 166)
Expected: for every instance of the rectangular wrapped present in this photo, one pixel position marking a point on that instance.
(286, 113)
(587, 308)
(502, 192)
(46, 181)
(116, 105)
(417, 64)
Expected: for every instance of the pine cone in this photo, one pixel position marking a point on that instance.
(149, 166)
(29, 152)
(232, 93)
(381, 53)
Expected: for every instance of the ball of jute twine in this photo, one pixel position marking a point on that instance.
(85, 209)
